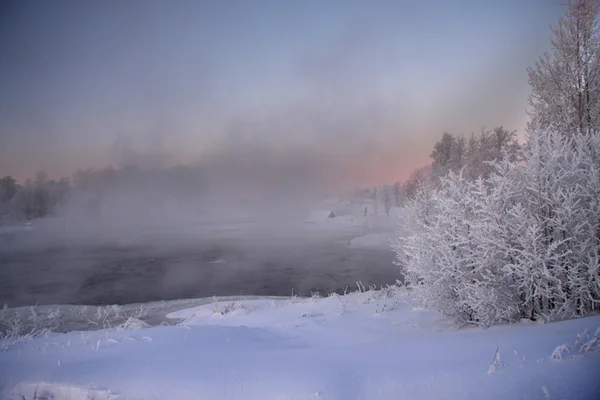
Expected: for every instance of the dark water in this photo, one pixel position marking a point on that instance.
(142, 272)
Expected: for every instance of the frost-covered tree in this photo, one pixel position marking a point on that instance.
(502, 143)
(419, 177)
(386, 195)
(472, 158)
(565, 82)
(524, 243)
(459, 154)
(39, 198)
(22, 204)
(434, 262)
(399, 192)
(488, 147)
(444, 155)
(558, 268)
(8, 189)
(453, 153)
(416, 247)
(375, 201)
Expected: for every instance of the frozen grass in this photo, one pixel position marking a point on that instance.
(25, 323)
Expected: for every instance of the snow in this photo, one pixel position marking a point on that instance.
(369, 345)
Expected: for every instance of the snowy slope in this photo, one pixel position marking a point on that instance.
(331, 348)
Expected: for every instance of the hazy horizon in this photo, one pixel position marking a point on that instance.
(352, 92)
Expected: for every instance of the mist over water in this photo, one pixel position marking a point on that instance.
(234, 225)
(243, 251)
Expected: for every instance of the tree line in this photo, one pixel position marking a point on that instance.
(89, 191)
(472, 155)
(36, 198)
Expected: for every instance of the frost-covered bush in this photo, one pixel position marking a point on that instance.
(524, 243)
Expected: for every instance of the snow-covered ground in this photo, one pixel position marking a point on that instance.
(365, 345)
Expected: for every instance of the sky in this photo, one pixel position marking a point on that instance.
(363, 89)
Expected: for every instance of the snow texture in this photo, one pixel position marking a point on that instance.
(364, 345)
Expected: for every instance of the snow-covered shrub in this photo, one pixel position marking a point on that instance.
(524, 243)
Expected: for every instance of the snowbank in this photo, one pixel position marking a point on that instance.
(360, 346)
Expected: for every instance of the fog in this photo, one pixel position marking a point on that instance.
(138, 235)
(233, 224)
(204, 134)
